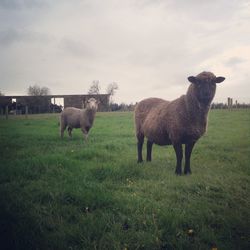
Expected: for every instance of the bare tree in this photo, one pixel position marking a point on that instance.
(112, 87)
(36, 90)
(94, 88)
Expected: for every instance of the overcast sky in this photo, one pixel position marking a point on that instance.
(148, 47)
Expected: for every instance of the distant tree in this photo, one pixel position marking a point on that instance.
(1, 93)
(114, 107)
(36, 90)
(94, 88)
(112, 87)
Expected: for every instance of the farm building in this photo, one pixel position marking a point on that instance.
(48, 103)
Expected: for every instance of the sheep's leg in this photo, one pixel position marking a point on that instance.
(85, 134)
(85, 137)
(70, 132)
(149, 150)
(188, 151)
(139, 148)
(179, 155)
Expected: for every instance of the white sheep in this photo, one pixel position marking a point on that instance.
(79, 118)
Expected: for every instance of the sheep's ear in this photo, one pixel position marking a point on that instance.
(219, 79)
(192, 79)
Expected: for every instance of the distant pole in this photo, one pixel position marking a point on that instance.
(6, 112)
(26, 111)
(229, 103)
(54, 105)
(16, 108)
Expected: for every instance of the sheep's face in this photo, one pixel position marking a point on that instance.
(205, 86)
(92, 103)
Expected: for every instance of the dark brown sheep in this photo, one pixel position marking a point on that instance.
(182, 121)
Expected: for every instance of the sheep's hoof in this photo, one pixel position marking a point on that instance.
(187, 171)
(178, 173)
(139, 161)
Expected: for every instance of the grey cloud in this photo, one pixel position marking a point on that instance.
(10, 36)
(203, 10)
(7, 37)
(19, 4)
(75, 48)
(234, 61)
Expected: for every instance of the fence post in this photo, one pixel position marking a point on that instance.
(26, 111)
(6, 112)
(54, 105)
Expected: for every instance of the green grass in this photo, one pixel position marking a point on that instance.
(65, 194)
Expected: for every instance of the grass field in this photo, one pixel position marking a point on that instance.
(65, 194)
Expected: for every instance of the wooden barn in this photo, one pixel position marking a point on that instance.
(48, 103)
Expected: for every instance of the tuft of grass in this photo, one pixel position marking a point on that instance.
(66, 194)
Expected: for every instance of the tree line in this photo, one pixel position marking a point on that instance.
(95, 89)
